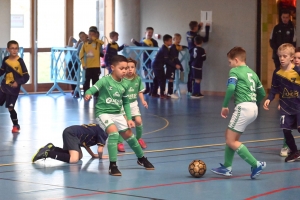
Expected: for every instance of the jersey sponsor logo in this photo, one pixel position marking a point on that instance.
(113, 101)
(132, 96)
(131, 89)
(136, 84)
(110, 88)
(290, 94)
(116, 94)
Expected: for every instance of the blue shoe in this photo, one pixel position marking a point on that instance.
(225, 171)
(256, 171)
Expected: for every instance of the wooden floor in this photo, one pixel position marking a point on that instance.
(176, 131)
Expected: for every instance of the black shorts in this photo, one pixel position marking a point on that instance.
(290, 121)
(197, 73)
(71, 141)
(170, 73)
(9, 100)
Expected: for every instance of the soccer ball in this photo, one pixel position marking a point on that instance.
(197, 168)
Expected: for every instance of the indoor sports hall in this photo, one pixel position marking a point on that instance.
(176, 131)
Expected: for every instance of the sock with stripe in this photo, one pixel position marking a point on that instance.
(135, 146)
(61, 156)
(112, 146)
(244, 153)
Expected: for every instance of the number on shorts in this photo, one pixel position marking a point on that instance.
(282, 118)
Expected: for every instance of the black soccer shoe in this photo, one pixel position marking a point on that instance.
(42, 153)
(145, 163)
(292, 157)
(50, 146)
(114, 171)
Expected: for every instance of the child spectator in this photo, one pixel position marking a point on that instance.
(16, 74)
(112, 49)
(147, 41)
(190, 35)
(197, 62)
(162, 58)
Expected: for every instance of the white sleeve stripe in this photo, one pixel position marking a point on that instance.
(259, 87)
(203, 55)
(96, 87)
(233, 78)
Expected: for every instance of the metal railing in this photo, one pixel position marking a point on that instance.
(3, 53)
(65, 67)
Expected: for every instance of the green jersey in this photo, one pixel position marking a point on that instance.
(112, 96)
(135, 86)
(245, 85)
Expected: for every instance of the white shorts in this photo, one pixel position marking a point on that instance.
(106, 120)
(244, 114)
(134, 109)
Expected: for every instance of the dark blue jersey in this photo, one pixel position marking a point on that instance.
(174, 53)
(111, 50)
(147, 43)
(198, 56)
(89, 134)
(162, 58)
(190, 35)
(15, 71)
(287, 85)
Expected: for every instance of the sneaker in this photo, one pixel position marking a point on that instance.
(42, 153)
(225, 171)
(142, 143)
(188, 94)
(114, 171)
(284, 151)
(292, 157)
(16, 129)
(256, 171)
(195, 96)
(121, 147)
(173, 96)
(201, 95)
(145, 163)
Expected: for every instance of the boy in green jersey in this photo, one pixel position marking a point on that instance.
(246, 87)
(113, 92)
(135, 90)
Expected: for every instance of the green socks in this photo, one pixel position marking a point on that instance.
(229, 154)
(139, 131)
(246, 156)
(120, 139)
(135, 146)
(112, 146)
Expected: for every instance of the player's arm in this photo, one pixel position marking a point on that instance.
(141, 96)
(155, 44)
(88, 149)
(3, 68)
(231, 84)
(95, 88)
(126, 106)
(260, 93)
(206, 37)
(81, 56)
(25, 75)
(272, 40)
(167, 59)
(120, 48)
(203, 55)
(139, 44)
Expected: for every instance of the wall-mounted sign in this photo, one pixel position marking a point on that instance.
(17, 21)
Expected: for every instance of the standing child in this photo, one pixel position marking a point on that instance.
(162, 58)
(286, 83)
(74, 138)
(197, 62)
(244, 84)
(190, 35)
(135, 90)
(147, 41)
(16, 74)
(112, 49)
(114, 95)
(170, 72)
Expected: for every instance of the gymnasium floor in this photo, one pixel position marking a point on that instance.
(176, 131)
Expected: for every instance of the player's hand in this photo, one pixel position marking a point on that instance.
(207, 24)
(131, 124)
(145, 104)
(95, 155)
(177, 66)
(105, 156)
(87, 97)
(224, 112)
(14, 84)
(266, 104)
(132, 40)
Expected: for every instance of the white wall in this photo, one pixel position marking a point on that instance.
(234, 24)
(5, 22)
